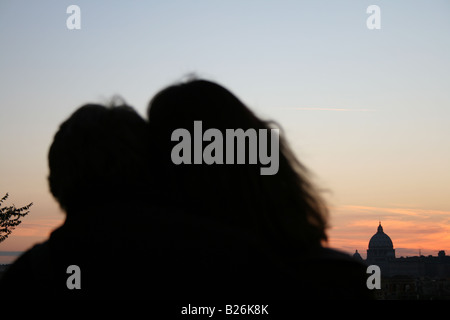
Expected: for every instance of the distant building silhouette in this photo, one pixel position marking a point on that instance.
(381, 252)
(357, 256)
(416, 277)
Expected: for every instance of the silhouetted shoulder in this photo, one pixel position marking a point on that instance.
(29, 275)
(335, 275)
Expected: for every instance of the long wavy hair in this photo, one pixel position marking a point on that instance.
(285, 207)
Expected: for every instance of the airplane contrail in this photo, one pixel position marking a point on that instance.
(331, 109)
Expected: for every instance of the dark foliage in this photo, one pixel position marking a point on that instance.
(10, 217)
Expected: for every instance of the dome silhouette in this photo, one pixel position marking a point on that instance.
(357, 256)
(380, 240)
(381, 247)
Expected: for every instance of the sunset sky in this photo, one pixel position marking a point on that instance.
(368, 111)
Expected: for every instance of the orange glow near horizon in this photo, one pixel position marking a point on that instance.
(352, 227)
(410, 229)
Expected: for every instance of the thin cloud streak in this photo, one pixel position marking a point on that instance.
(331, 109)
(38, 228)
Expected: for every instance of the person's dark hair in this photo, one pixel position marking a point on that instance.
(285, 206)
(98, 154)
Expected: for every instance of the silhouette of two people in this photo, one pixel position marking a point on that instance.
(139, 225)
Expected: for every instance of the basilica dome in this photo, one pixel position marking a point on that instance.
(380, 240)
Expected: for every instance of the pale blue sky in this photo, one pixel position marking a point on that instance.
(275, 55)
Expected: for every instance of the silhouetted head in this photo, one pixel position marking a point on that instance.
(99, 155)
(284, 206)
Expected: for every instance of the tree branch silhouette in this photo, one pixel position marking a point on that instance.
(10, 217)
